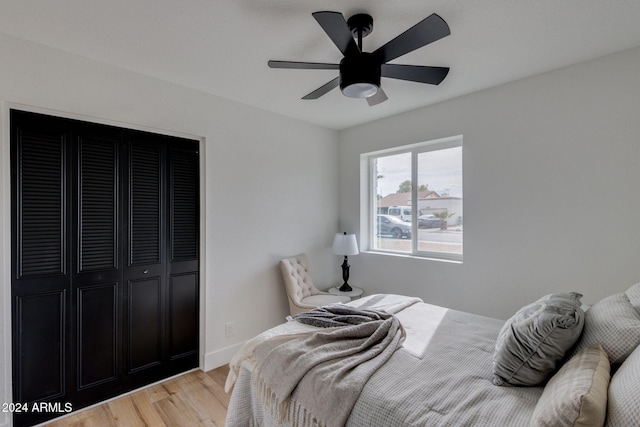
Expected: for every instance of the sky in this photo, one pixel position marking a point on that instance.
(441, 170)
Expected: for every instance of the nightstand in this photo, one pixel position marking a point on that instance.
(354, 293)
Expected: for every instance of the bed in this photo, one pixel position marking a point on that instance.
(443, 373)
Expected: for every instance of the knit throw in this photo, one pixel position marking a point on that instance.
(315, 378)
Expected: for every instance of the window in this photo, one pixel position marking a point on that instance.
(429, 173)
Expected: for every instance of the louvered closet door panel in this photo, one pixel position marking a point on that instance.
(145, 273)
(40, 260)
(144, 200)
(184, 202)
(98, 278)
(184, 249)
(98, 204)
(41, 194)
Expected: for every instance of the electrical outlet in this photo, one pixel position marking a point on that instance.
(229, 328)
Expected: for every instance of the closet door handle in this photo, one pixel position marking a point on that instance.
(145, 271)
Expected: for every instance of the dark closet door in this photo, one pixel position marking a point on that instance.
(183, 255)
(41, 262)
(144, 276)
(105, 260)
(161, 273)
(97, 276)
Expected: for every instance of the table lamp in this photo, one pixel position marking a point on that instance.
(345, 244)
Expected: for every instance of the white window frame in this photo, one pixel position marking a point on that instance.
(368, 196)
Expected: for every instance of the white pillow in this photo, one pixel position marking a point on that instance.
(623, 408)
(633, 293)
(577, 394)
(615, 323)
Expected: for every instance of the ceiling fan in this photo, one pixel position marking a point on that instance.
(360, 72)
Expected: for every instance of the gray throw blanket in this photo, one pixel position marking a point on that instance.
(315, 378)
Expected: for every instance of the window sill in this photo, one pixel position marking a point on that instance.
(413, 256)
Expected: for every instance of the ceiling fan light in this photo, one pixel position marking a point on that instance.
(359, 75)
(360, 90)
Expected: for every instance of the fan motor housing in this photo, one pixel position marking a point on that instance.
(359, 75)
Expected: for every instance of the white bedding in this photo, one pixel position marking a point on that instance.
(441, 376)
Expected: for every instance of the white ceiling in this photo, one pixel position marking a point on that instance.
(222, 46)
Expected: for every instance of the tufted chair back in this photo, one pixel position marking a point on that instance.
(297, 280)
(301, 292)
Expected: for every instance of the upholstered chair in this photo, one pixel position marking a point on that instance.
(301, 292)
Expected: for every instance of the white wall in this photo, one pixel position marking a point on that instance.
(270, 184)
(551, 170)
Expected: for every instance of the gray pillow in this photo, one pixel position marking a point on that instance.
(613, 322)
(533, 342)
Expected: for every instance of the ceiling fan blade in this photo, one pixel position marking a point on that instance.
(377, 98)
(323, 89)
(427, 31)
(336, 27)
(415, 73)
(303, 65)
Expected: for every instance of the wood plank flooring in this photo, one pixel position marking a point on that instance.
(192, 399)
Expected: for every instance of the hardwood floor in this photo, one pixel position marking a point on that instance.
(193, 399)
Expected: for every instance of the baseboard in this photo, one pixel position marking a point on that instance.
(220, 357)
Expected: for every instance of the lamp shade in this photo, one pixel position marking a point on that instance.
(345, 244)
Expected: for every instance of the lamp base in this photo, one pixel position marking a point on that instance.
(345, 276)
(345, 287)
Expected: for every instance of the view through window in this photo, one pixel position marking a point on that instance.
(431, 174)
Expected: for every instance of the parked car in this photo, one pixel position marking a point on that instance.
(402, 212)
(389, 225)
(428, 221)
